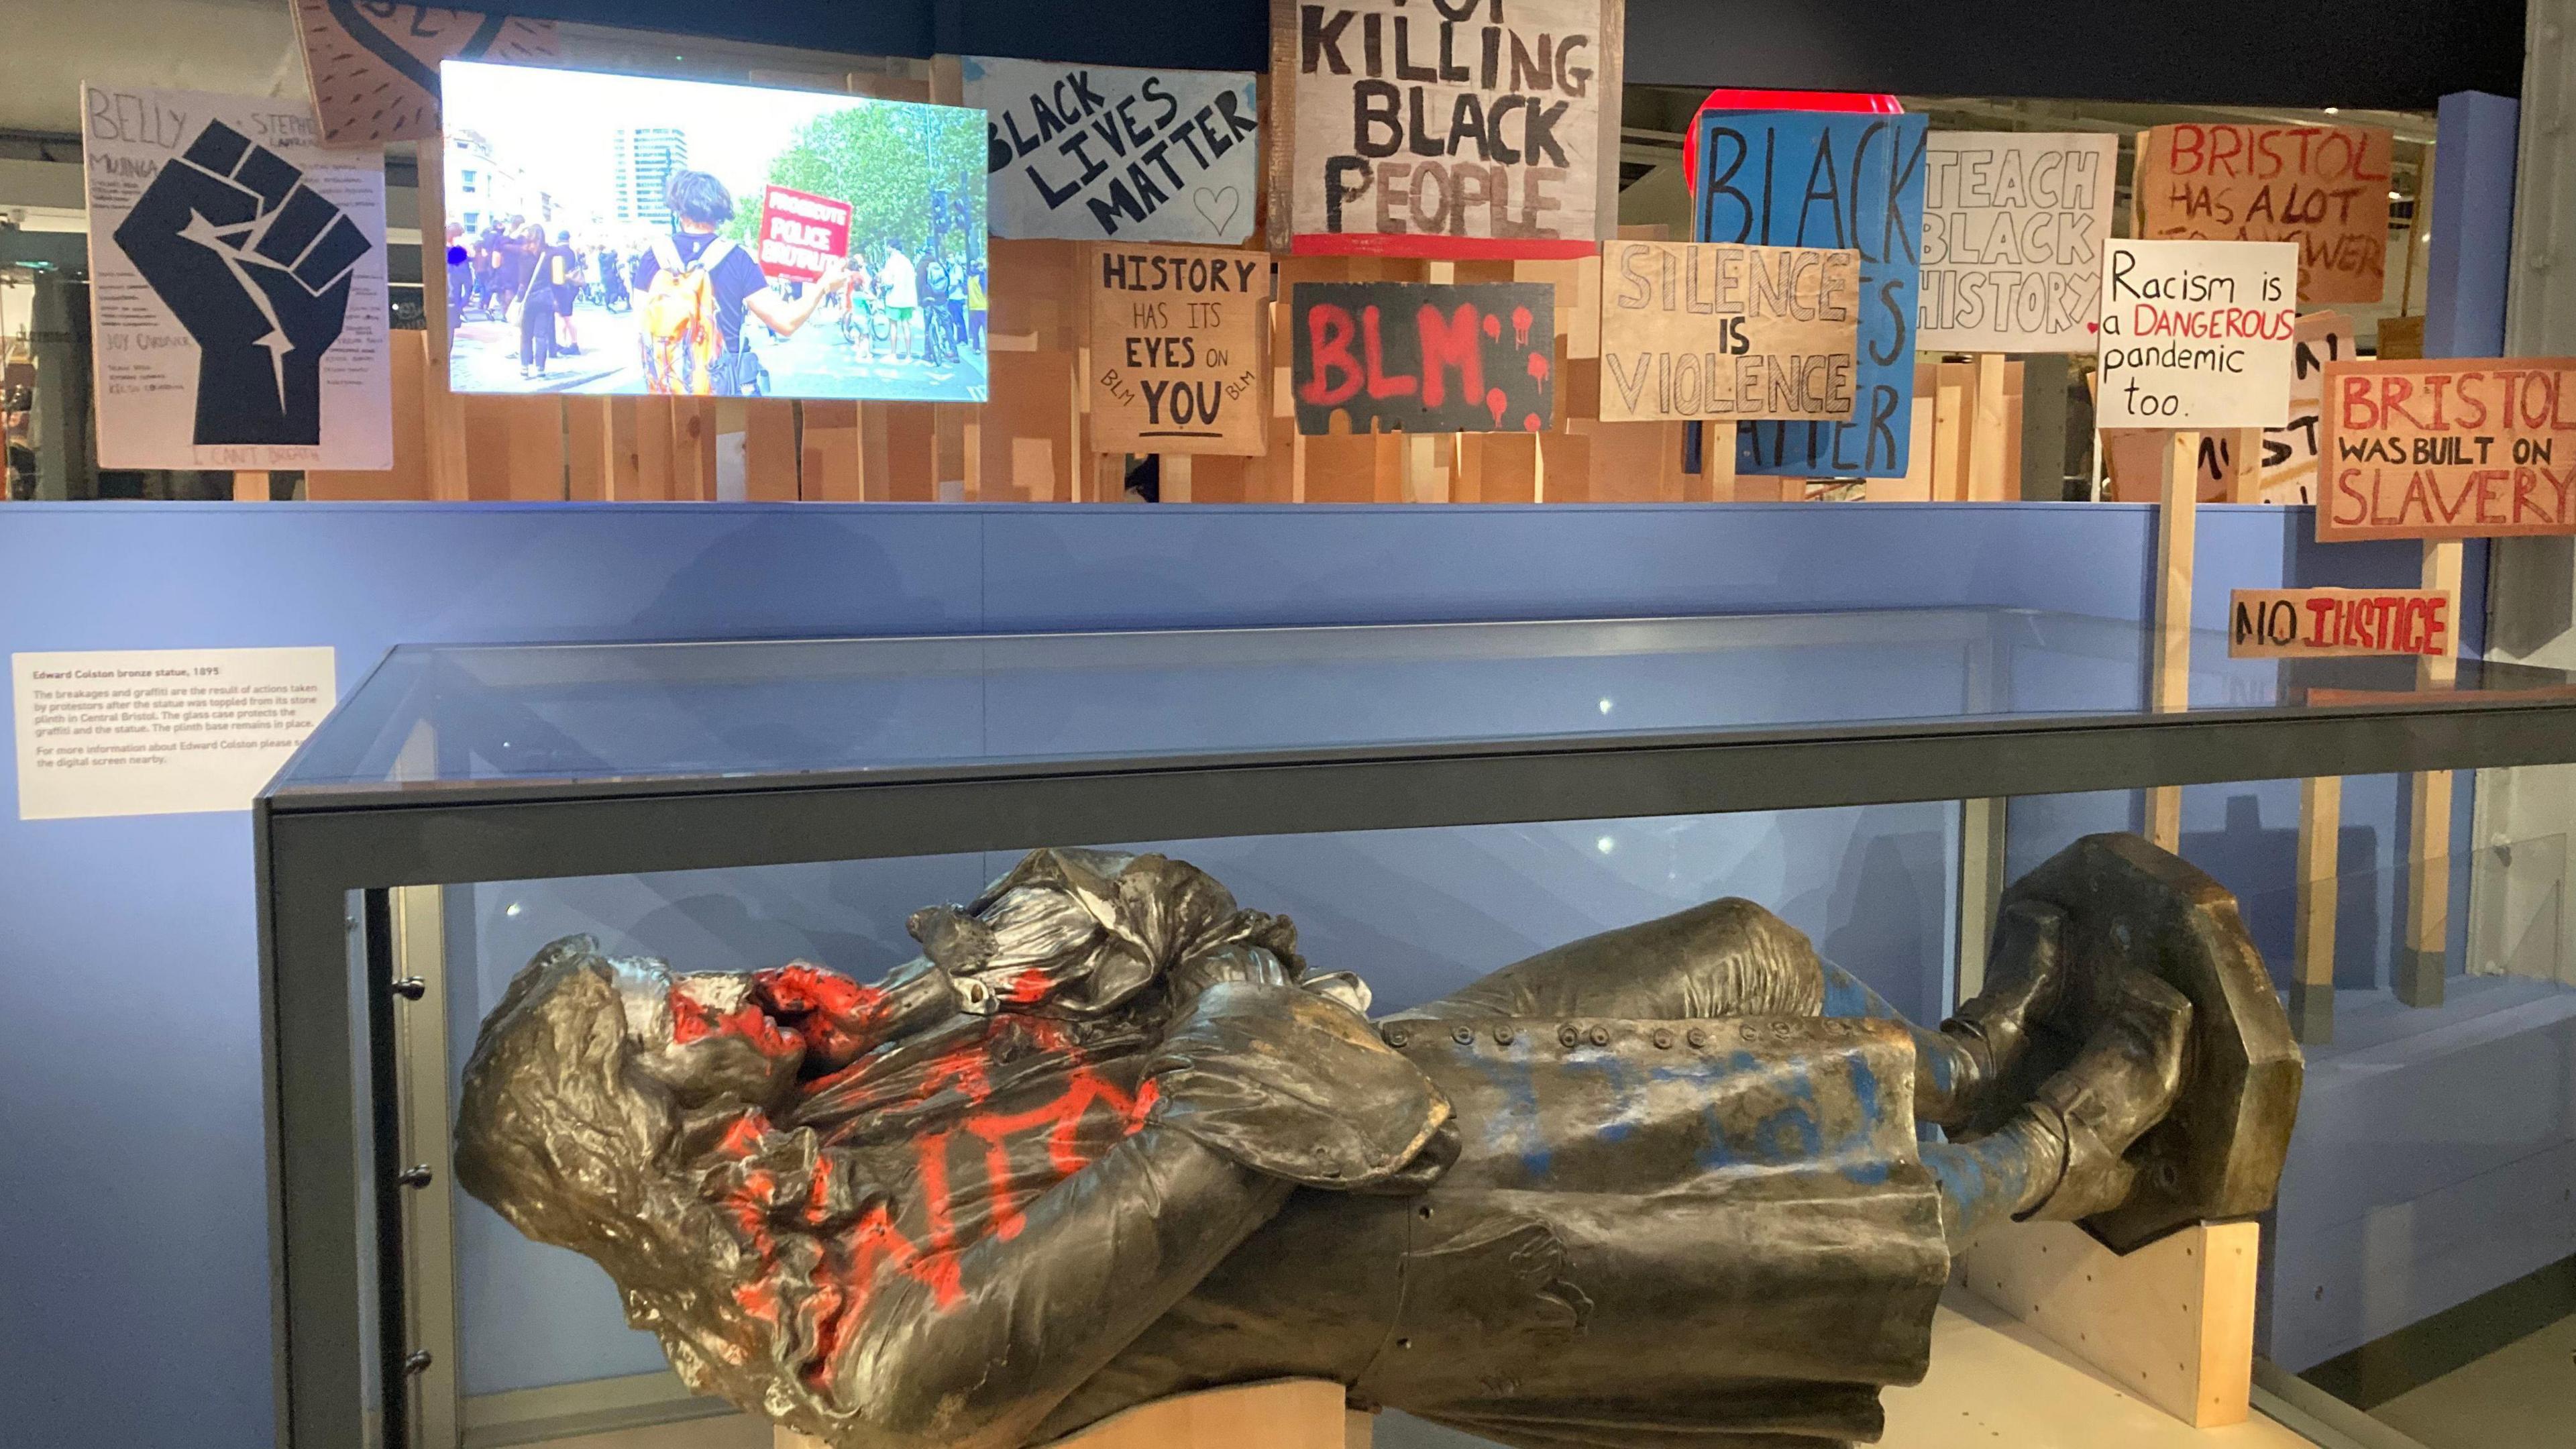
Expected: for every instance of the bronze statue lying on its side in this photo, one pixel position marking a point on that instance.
(1110, 1140)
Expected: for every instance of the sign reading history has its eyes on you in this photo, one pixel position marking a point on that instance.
(1412, 357)
(1438, 128)
(1177, 362)
(1837, 180)
(2197, 334)
(1104, 152)
(2013, 227)
(2324, 187)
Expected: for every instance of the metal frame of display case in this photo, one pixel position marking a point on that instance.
(317, 846)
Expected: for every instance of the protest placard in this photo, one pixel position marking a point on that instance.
(1714, 330)
(1398, 357)
(2197, 334)
(1823, 179)
(1087, 152)
(2324, 187)
(2337, 623)
(800, 233)
(237, 286)
(374, 67)
(1456, 129)
(2290, 454)
(2013, 227)
(1177, 361)
(2451, 448)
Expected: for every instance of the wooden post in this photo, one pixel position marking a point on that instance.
(1175, 471)
(2245, 467)
(769, 451)
(1424, 480)
(250, 487)
(2169, 653)
(2312, 998)
(442, 422)
(1987, 441)
(2420, 956)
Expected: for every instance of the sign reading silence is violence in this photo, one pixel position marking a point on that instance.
(1412, 357)
(2455, 448)
(1713, 330)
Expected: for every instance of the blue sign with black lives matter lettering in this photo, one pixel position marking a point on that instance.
(1840, 180)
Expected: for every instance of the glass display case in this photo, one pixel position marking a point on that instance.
(1428, 801)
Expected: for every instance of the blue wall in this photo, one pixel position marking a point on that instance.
(133, 1273)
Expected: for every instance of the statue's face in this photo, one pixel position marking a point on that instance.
(706, 1034)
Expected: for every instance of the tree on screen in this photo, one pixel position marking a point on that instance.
(892, 163)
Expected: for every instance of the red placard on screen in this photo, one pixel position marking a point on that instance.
(800, 232)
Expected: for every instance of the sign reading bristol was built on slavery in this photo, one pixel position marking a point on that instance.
(1177, 363)
(1438, 128)
(1411, 357)
(2455, 448)
(2013, 227)
(2197, 334)
(1842, 181)
(1713, 330)
(2324, 187)
(1091, 152)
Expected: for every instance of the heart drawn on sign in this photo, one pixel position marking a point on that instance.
(1217, 206)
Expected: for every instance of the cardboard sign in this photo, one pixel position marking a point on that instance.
(2451, 448)
(1822, 179)
(237, 286)
(2197, 334)
(1087, 152)
(2335, 623)
(800, 232)
(1439, 130)
(2324, 187)
(1412, 357)
(374, 66)
(1177, 361)
(2013, 227)
(2290, 454)
(1715, 330)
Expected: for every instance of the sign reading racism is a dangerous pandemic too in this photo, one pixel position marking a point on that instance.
(1177, 364)
(2197, 334)
(1103, 152)
(2450, 448)
(1840, 181)
(1713, 330)
(1438, 128)
(2013, 227)
(237, 286)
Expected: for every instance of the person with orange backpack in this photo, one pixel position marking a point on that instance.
(695, 290)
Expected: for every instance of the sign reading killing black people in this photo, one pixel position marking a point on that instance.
(237, 286)
(1444, 128)
(1415, 357)
(629, 234)
(1842, 181)
(1093, 152)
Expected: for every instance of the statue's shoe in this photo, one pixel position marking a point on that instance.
(2143, 1161)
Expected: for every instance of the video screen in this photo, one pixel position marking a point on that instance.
(627, 234)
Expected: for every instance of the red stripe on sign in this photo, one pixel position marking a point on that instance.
(1437, 248)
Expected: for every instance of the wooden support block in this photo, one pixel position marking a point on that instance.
(485, 425)
(1033, 469)
(872, 436)
(2172, 1322)
(1951, 416)
(1174, 472)
(1989, 419)
(769, 458)
(587, 466)
(693, 449)
(2312, 950)
(534, 469)
(1280, 1414)
(250, 487)
(2169, 662)
(2421, 956)
(625, 454)
(653, 466)
(2245, 467)
(911, 450)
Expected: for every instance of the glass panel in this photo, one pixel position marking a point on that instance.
(741, 708)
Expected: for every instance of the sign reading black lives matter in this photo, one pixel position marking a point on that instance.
(1438, 128)
(2013, 228)
(1094, 152)
(1416, 357)
(237, 286)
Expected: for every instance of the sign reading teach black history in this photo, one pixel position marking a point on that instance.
(1177, 364)
(2013, 227)
(1086, 152)
(237, 286)
(1838, 180)
(1438, 128)
(1411, 357)
(1720, 331)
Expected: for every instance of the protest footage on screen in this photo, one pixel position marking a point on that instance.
(638, 235)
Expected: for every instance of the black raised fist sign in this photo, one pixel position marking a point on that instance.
(256, 265)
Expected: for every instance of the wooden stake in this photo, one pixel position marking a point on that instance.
(2420, 957)
(250, 487)
(2169, 678)
(2312, 999)
(1175, 471)
(442, 422)
(1988, 442)
(2245, 467)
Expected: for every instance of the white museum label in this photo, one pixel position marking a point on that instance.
(160, 731)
